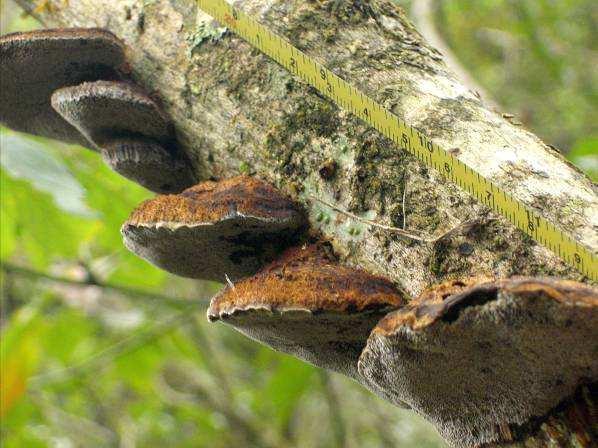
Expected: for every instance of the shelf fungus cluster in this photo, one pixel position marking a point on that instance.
(215, 230)
(68, 84)
(478, 358)
(487, 361)
(299, 300)
(308, 305)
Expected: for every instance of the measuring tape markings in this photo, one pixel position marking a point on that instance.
(404, 136)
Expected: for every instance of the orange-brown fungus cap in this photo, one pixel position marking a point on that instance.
(431, 304)
(214, 229)
(35, 64)
(309, 306)
(480, 359)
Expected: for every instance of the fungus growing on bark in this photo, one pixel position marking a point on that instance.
(134, 136)
(309, 306)
(64, 84)
(35, 64)
(103, 110)
(482, 361)
(149, 164)
(215, 229)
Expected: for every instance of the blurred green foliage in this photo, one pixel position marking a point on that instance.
(100, 348)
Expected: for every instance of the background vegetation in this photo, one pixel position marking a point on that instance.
(101, 349)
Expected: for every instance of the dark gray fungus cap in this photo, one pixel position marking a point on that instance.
(35, 64)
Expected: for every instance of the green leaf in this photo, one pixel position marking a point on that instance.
(26, 158)
(285, 388)
(8, 228)
(41, 232)
(585, 155)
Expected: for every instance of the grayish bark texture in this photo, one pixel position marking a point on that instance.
(237, 111)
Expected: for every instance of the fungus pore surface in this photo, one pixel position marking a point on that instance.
(149, 164)
(480, 360)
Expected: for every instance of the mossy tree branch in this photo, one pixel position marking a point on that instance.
(235, 110)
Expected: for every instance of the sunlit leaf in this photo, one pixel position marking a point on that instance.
(8, 228)
(24, 157)
(585, 155)
(41, 231)
(286, 386)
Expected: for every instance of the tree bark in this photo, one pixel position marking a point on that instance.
(237, 111)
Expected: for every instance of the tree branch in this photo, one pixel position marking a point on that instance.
(175, 302)
(234, 108)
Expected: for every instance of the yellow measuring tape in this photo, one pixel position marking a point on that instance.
(407, 137)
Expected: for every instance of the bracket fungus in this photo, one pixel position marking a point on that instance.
(36, 63)
(102, 110)
(134, 136)
(309, 306)
(149, 164)
(65, 84)
(215, 229)
(481, 361)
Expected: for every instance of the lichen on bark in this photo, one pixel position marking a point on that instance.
(236, 110)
